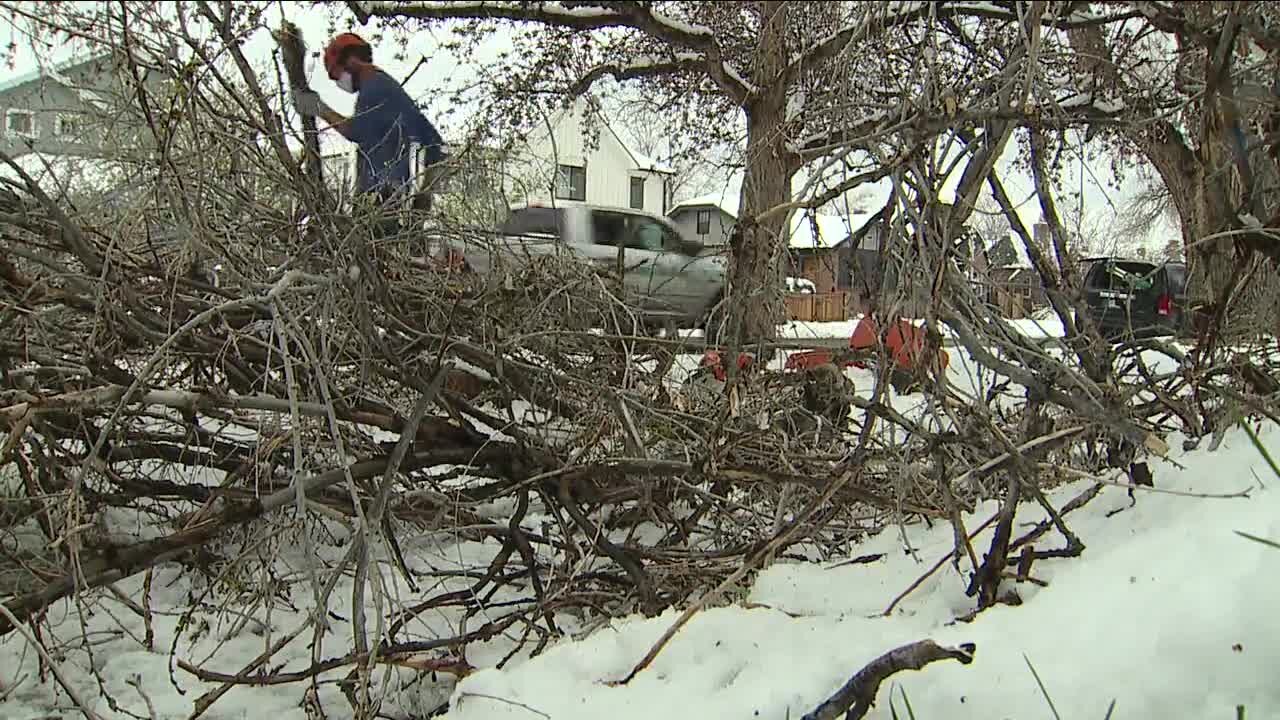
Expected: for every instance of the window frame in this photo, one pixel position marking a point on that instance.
(67, 118)
(30, 114)
(704, 222)
(536, 221)
(636, 183)
(564, 185)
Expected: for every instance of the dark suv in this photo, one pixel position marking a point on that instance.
(1137, 298)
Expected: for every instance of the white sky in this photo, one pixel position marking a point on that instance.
(443, 73)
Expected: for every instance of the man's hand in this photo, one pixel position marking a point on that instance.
(308, 103)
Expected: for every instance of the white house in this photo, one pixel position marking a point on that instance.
(566, 161)
(569, 158)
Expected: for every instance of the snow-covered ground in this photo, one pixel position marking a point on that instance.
(1042, 324)
(1169, 612)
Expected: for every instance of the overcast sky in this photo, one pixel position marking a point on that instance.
(441, 73)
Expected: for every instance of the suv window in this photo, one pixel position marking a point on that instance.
(650, 235)
(1177, 273)
(534, 221)
(639, 232)
(1117, 274)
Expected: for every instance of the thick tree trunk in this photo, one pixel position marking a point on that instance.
(1199, 166)
(758, 251)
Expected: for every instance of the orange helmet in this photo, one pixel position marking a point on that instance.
(339, 43)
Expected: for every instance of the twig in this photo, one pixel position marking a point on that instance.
(941, 561)
(135, 681)
(1182, 493)
(769, 548)
(463, 695)
(1255, 538)
(205, 701)
(80, 703)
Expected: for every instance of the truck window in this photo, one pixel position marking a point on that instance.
(534, 221)
(648, 235)
(1177, 277)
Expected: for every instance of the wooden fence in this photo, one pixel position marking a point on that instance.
(818, 307)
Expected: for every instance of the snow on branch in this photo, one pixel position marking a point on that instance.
(641, 68)
(882, 16)
(581, 16)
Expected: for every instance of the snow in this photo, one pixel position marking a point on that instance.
(681, 26)
(801, 285)
(1169, 613)
(67, 173)
(1102, 105)
(583, 12)
(1043, 324)
(732, 72)
(646, 163)
(54, 70)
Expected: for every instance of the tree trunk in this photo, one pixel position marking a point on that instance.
(758, 250)
(1202, 177)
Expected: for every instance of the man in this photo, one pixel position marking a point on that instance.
(384, 126)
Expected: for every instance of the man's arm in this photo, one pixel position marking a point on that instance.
(308, 102)
(430, 139)
(337, 121)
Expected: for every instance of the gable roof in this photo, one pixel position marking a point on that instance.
(642, 162)
(831, 230)
(702, 201)
(639, 160)
(54, 71)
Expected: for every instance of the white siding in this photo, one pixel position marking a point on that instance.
(532, 167)
(718, 233)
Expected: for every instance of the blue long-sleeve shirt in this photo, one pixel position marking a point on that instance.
(385, 124)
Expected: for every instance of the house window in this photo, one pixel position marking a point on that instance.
(871, 240)
(637, 193)
(67, 126)
(704, 222)
(571, 182)
(20, 122)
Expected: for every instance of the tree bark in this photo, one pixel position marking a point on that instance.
(1197, 166)
(758, 250)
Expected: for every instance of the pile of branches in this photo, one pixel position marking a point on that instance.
(241, 375)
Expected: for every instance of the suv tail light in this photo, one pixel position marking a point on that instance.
(1164, 304)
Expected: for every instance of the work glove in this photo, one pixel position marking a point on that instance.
(308, 103)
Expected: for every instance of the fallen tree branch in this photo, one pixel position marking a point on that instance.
(135, 558)
(856, 696)
(394, 654)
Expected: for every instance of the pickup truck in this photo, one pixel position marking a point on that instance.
(665, 274)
